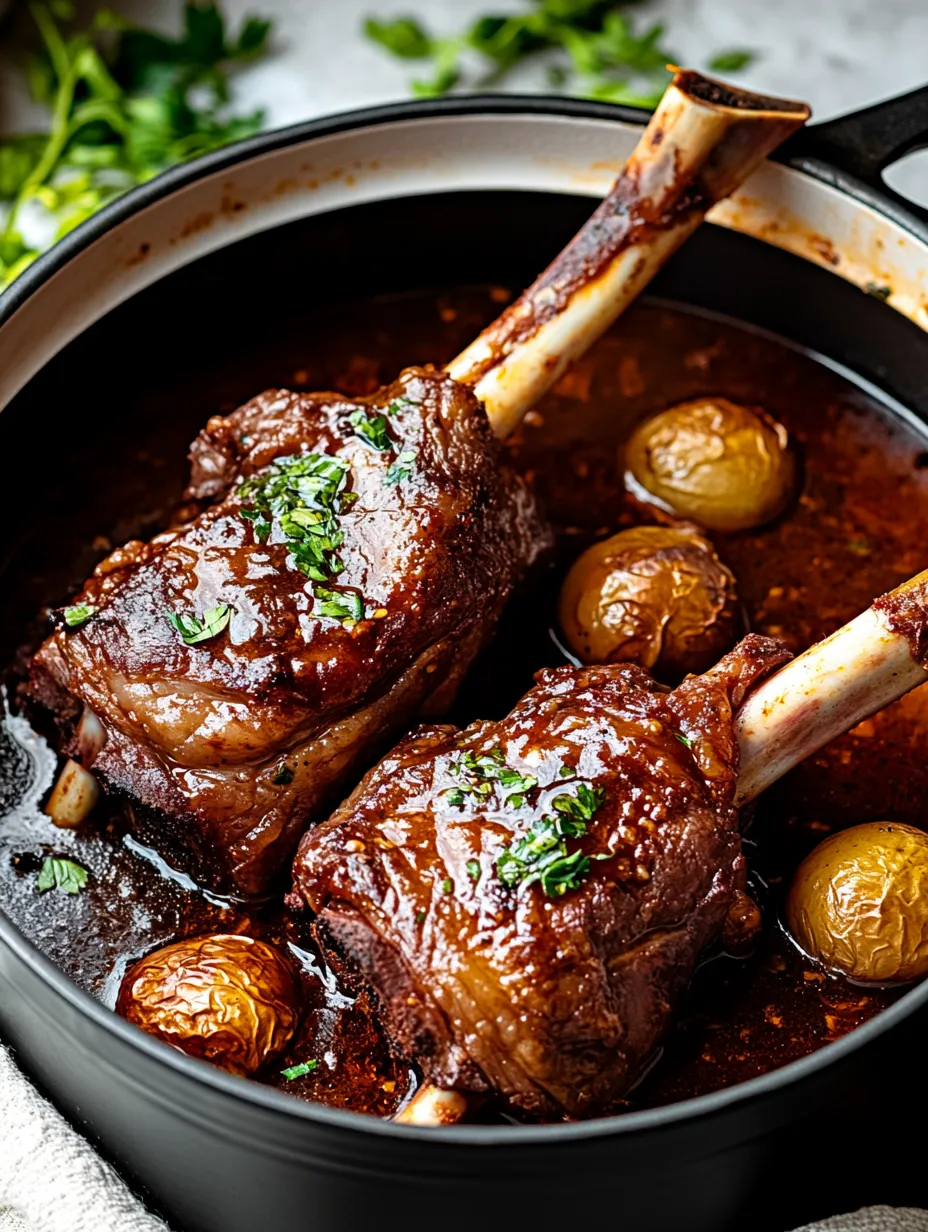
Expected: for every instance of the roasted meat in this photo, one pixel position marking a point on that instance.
(228, 743)
(528, 899)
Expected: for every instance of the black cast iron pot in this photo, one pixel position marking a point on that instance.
(182, 276)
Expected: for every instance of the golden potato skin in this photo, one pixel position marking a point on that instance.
(727, 467)
(859, 903)
(230, 1000)
(653, 595)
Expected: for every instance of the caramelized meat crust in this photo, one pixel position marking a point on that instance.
(556, 1003)
(226, 747)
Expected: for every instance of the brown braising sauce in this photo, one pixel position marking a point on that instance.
(857, 529)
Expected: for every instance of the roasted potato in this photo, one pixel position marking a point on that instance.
(230, 1000)
(652, 595)
(727, 467)
(859, 903)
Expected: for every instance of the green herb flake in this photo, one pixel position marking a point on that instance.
(401, 469)
(566, 772)
(542, 855)
(400, 404)
(78, 614)
(860, 547)
(283, 776)
(420, 917)
(878, 291)
(732, 61)
(447, 886)
(194, 630)
(300, 1070)
(684, 740)
(62, 875)
(343, 605)
(372, 429)
(473, 869)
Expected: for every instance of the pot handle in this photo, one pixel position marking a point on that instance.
(864, 143)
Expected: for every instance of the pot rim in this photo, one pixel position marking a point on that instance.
(268, 1098)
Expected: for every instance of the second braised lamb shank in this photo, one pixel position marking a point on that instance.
(529, 899)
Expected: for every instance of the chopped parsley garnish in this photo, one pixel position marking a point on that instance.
(401, 469)
(878, 291)
(399, 404)
(473, 869)
(300, 1070)
(304, 494)
(860, 547)
(63, 875)
(194, 630)
(339, 604)
(78, 614)
(447, 886)
(420, 916)
(542, 854)
(567, 772)
(372, 429)
(684, 739)
(283, 776)
(479, 774)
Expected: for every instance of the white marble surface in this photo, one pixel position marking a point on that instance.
(837, 54)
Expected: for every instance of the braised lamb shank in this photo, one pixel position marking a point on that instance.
(529, 899)
(228, 675)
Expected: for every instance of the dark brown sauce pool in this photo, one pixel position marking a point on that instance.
(858, 528)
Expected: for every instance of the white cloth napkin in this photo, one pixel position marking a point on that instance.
(51, 1180)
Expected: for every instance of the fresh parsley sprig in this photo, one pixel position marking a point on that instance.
(589, 47)
(124, 103)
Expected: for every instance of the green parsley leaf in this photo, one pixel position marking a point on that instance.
(732, 61)
(473, 869)
(684, 739)
(300, 1070)
(420, 917)
(567, 772)
(63, 875)
(283, 776)
(194, 630)
(447, 886)
(372, 429)
(338, 604)
(404, 37)
(401, 469)
(78, 614)
(400, 404)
